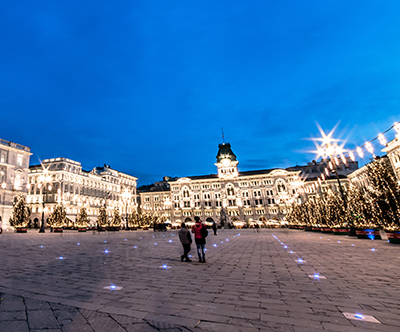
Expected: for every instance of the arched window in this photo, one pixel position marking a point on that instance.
(280, 185)
(230, 191)
(185, 192)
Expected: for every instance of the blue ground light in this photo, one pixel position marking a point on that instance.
(61, 258)
(359, 316)
(78, 244)
(41, 246)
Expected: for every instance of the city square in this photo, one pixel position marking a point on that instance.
(132, 130)
(270, 280)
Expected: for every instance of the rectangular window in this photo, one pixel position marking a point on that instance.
(156, 198)
(147, 199)
(19, 160)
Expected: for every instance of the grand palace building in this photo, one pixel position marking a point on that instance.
(245, 196)
(63, 181)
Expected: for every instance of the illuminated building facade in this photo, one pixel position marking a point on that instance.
(392, 150)
(245, 196)
(63, 181)
(14, 166)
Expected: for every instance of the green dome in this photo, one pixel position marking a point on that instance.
(225, 152)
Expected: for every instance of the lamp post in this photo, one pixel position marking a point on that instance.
(126, 196)
(43, 180)
(3, 186)
(332, 150)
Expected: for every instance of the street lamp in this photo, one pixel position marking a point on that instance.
(3, 186)
(330, 148)
(126, 196)
(43, 180)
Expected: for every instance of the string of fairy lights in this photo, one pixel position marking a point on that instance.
(334, 151)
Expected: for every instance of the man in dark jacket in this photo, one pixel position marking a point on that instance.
(186, 240)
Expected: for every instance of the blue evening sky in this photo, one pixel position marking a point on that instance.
(145, 86)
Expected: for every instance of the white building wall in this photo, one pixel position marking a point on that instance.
(14, 166)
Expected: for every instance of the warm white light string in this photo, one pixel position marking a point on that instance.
(368, 145)
(359, 150)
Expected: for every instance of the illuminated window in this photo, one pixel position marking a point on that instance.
(19, 160)
(185, 192)
(230, 191)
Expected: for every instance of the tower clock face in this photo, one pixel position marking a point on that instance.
(225, 162)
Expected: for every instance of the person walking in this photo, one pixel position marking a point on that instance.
(200, 233)
(214, 227)
(186, 240)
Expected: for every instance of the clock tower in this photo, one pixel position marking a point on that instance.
(226, 162)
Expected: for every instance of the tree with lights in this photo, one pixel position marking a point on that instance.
(57, 218)
(82, 220)
(116, 219)
(335, 211)
(102, 219)
(384, 193)
(20, 214)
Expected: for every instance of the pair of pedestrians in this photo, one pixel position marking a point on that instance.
(200, 233)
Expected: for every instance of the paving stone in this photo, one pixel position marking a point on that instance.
(141, 327)
(12, 315)
(40, 319)
(216, 327)
(14, 326)
(12, 303)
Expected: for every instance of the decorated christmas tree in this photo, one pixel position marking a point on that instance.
(384, 194)
(102, 219)
(57, 219)
(20, 213)
(334, 211)
(82, 218)
(116, 218)
(133, 220)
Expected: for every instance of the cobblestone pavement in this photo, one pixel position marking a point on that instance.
(250, 282)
